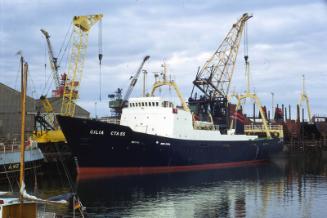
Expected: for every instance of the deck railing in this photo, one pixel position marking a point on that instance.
(5, 147)
(275, 130)
(261, 127)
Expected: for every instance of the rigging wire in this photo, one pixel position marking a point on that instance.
(65, 41)
(48, 85)
(100, 85)
(7, 173)
(245, 40)
(245, 50)
(66, 46)
(17, 76)
(69, 179)
(32, 84)
(246, 58)
(67, 57)
(49, 81)
(19, 54)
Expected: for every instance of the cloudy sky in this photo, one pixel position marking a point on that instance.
(286, 39)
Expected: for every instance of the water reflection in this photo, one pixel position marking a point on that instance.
(201, 194)
(292, 188)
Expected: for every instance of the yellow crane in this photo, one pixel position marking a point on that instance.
(79, 39)
(214, 78)
(269, 130)
(81, 27)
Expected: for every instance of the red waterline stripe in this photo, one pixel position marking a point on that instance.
(85, 173)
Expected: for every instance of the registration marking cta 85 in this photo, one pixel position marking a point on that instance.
(117, 133)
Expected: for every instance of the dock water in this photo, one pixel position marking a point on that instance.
(275, 188)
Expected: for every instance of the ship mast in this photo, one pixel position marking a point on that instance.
(170, 83)
(24, 69)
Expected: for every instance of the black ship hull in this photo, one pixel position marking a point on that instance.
(104, 149)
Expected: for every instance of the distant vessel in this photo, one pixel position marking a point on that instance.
(10, 157)
(155, 136)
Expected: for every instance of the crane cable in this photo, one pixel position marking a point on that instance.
(245, 40)
(100, 58)
(65, 43)
(47, 81)
(246, 57)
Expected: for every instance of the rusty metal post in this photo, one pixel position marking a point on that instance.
(298, 113)
(289, 111)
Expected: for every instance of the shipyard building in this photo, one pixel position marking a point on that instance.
(10, 112)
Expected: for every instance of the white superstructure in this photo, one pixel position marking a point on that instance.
(156, 116)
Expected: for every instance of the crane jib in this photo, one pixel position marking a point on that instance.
(216, 74)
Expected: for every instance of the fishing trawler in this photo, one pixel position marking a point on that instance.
(156, 136)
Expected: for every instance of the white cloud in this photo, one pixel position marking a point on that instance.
(286, 40)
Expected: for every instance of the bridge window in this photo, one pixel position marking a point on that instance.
(157, 104)
(165, 104)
